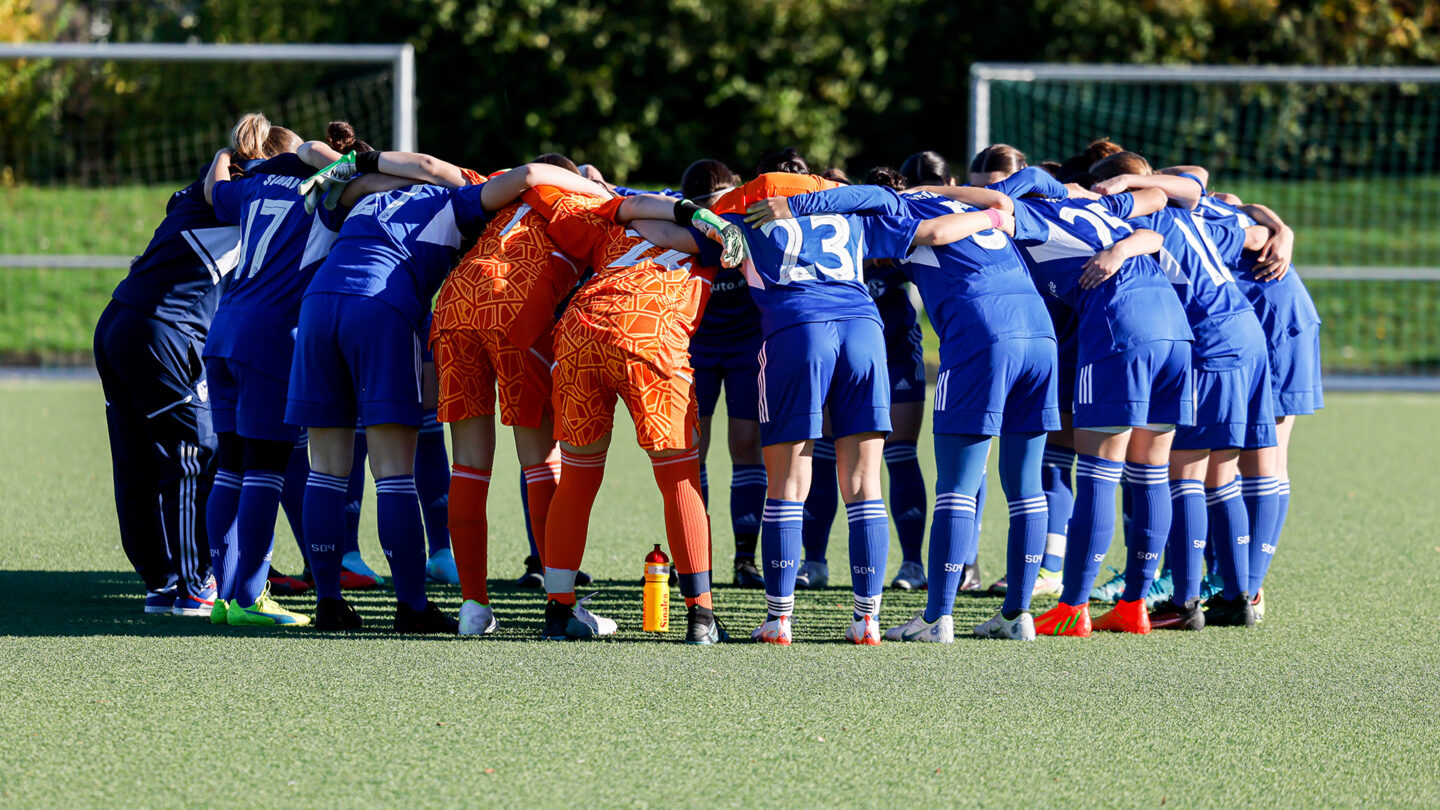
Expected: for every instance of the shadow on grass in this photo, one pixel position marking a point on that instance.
(110, 603)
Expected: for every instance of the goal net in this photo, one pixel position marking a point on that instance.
(1348, 157)
(94, 139)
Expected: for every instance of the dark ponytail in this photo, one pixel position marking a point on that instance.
(887, 177)
(341, 137)
(788, 161)
(926, 169)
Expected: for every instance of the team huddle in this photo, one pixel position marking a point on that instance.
(1115, 326)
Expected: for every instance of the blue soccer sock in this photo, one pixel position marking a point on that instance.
(325, 531)
(255, 532)
(292, 497)
(1093, 524)
(959, 470)
(1262, 508)
(525, 510)
(747, 502)
(432, 482)
(1021, 456)
(397, 510)
(869, 550)
(220, 511)
(822, 502)
(1058, 467)
(972, 554)
(705, 485)
(1230, 534)
(1282, 507)
(1189, 531)
(355, 494)
(907, 498)
(780, 545)
(1149, 525)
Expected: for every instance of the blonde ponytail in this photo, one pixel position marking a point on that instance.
(249, 136)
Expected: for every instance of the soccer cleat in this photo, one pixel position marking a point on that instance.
(219, 612)
(1257, 606)
(1020, 628)
(1065, 620)
(334, 613)
(910, 577)
(557, 616)
(1125, 617)
(534, 576)
(585, 624)
(970, 579)
(285, 585)
(477, 619)
(355, 575)
(432, 619)
(864, 631)
(161, 601)
(1211, 585)
(441, 567)
(1222, 612)
(773, 631)
(582, 579)
(1170, 616)
(266, 612)
(701, 627)
(1161, 589)
(1000, 586)
(812, 574)
(1047, 583)
(940, 631)
(1112, 588)
(201, 604)
(746, 574)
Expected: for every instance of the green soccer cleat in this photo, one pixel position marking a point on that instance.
(219, 611)
(1161, 589)
(1112, 589)
(266, 612)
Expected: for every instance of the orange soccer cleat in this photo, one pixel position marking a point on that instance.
(1125, 617)
(1064, 620)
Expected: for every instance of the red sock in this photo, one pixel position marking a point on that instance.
(540, 482)
(686, 525)
(468, 530)
(569, 520)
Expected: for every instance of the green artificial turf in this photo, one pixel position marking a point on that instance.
(1332, 701)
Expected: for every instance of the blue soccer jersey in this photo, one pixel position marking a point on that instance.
(808, 269)
(281, 247)
(1284, 306)
(1135, 306)
(398, 246)
(1203, 280)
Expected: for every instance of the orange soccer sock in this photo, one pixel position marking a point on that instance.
(568, 522)
(540, 483)
(686, 524)
(469, 539)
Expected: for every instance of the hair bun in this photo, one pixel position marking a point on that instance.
(340, 136)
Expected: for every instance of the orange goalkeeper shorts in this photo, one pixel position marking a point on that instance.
(475, 365)
(590, 374)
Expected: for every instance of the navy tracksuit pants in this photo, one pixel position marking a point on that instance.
(162, 445)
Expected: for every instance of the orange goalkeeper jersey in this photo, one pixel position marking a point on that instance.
(772, 184)
(511, 281)
(645, 299)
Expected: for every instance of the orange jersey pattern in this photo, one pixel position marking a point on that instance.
(645, 299)
(510, 282)
(590, 374)
(772, 184)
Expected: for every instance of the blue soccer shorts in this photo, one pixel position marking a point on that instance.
(354, 357)
(1146, 384)
(1234, 403)
(1006, 387)
(736, 370)
(808, 368)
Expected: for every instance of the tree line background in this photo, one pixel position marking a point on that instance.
(641, 88)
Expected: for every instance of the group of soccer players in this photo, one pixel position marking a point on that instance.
(1116, 327)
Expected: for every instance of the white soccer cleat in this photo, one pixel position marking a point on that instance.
(812, 574)
(586, 624)
(864, 631)
(773, 631)
(477, 619)
(1048, 583)
(940, 631)
(1021, 628)
(911, 577)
